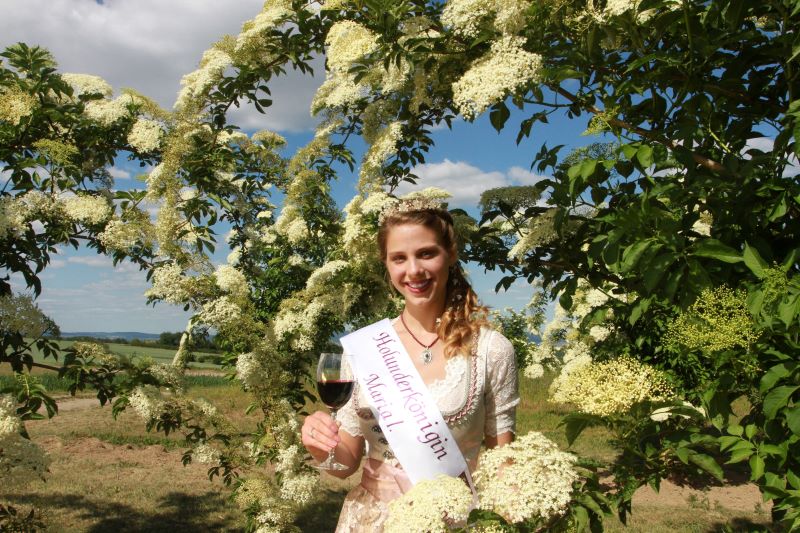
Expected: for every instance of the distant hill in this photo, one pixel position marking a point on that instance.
(127, 335)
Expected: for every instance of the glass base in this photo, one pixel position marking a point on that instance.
(330, 464)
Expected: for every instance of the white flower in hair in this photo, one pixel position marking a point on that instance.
(429, 198)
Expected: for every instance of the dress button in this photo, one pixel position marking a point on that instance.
(382, 440)
(377, 429)
(388, 455)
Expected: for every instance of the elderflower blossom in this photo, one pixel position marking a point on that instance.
(506, 68)
(167, 375)
(338, 90)
(611, 387)
(12, 217)
(205, 407)
(196, 83)
(299, 488)
(384, 146)
(274, 12)
(147, 401)
(15, 105)
(205, 454)
(528, 478)
(718, 320)
(269, 138)
(599, 333)
(614, 8)
(122, 235)
(170, 284)
(220, 313)
(289, 459)
(87, 209)
(232, 281)
(347, 42)
(10, 424)
(430, 506)
(466, 17)
(540, 231)
(250, 370)
(107, 112)
(87, 84)
(145, 135)
(323, 274)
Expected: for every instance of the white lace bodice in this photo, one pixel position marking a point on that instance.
(477, 397)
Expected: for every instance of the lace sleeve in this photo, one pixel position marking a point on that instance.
(348, 417)
(501, 394)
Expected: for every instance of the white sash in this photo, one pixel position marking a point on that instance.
(406, 412)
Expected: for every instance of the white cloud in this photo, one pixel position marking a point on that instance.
(119, 174)
(97, 261)
(464, 181)
(149, 45)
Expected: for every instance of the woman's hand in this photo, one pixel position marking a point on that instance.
(320, 434)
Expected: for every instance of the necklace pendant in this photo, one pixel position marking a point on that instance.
(426, 356)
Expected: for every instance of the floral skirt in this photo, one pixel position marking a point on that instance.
(367, 505)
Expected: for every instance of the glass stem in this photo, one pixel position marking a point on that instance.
(332, 452)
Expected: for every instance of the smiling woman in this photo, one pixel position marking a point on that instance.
(443, 364)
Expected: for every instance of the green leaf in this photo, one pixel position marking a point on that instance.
(631, 254)
(756, 467)
(793, 479)
(499, 116)
(788, 309)
(774, 374)
(753, 260)
(708, 464)
(735, 429)
(777, 399)
(645, 156)
(793, 419)
(717, 250)
(779, 209)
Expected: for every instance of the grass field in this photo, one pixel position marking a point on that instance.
(111, 475)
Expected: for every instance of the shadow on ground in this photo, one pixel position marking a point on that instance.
(174, 513)
(323, 515)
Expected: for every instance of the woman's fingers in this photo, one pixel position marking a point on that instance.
(320, 431)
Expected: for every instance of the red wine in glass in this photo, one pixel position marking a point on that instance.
(335, 385)
(335, 393)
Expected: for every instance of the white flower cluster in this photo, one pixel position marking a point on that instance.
(432, 506)
(273, 13)
(205, 454)
(614, 8)
(197, 83)
(528, 478)
(87, 84)
(107, 112)
(169, 284)
(347, 42)
(12, 218)
(506, 68)
(20, 459)
(232, 281)
(167, 375)
(221, 313)
(251, 370)
(539, 231)
(467, 17)
(611, 387)
(124, 235)
(147, 401)
(323, 274)
(145, 135)
(15, 105)
(87, 209)
(204, 406)
(269, 138)
(382, 148)
(291, 225)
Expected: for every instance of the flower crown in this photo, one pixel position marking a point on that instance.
(407, 205)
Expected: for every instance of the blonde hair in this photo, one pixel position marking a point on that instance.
(463, 315)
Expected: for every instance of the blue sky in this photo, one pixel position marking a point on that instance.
(149, 45)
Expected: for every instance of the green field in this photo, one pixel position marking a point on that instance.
(112, 475)
(159, 354)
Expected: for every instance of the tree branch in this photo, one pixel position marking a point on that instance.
(701, 160)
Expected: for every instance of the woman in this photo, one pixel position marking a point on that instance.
(468, 369)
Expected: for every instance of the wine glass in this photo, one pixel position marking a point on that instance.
(335, 385)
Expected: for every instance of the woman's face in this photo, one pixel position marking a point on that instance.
(418, 265)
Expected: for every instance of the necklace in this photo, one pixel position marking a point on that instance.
(426, 356)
